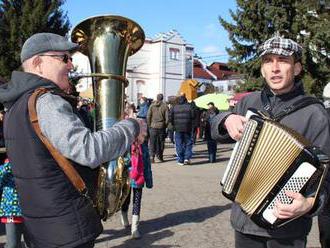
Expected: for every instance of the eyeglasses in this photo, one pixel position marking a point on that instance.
(65, 58)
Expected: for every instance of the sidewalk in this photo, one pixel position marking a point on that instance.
(184, 209)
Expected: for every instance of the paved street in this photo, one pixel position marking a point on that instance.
(184, 209)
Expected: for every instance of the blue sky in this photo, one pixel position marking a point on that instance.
(196, 21)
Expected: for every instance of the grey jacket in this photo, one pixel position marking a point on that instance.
(312, 122)
(65, 130)
(71, 138)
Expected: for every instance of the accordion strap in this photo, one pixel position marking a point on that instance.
(63, 162)
(299, 104)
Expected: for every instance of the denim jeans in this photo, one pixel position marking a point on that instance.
(183, 145)
(13, 235)
(212, 150)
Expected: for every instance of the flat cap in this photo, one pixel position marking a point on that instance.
(44, 42)
(280, 46)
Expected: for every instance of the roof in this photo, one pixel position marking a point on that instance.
(201, 73)
(221, 70)
(215, 71)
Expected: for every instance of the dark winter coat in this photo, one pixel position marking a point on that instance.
(312, 122)
(182, 116)
(210, 114)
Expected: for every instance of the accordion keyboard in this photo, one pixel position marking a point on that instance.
(295, 184)
(241, 149)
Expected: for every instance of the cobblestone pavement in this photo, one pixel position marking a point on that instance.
(184, 209)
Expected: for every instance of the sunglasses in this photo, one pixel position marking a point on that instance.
(65, 58)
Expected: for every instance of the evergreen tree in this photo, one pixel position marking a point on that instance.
(306, 21)
(19, 19)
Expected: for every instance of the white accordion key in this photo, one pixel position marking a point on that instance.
(295, 183)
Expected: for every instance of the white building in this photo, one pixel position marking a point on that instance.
(158, 67)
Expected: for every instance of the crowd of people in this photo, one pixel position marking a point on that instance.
(55, 214)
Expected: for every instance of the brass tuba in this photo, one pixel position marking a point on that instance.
(108, 41)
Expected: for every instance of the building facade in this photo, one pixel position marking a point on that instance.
(159, 66)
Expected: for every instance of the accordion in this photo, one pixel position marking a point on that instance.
(270, 159)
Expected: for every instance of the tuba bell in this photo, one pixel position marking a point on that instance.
(108, 41)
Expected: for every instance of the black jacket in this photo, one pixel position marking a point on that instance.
(182, 116)
(312, 122)
(55, 214)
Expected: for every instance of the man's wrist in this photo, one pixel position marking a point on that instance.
(222, 127)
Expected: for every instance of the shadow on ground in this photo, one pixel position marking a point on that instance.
(153, 230)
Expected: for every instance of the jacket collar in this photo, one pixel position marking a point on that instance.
(297, 89)
(20, 83)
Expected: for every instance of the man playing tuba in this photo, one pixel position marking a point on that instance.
(55, 213)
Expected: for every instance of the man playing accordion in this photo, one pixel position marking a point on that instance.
(281, 68)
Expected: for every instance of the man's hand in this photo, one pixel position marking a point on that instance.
(235, 126)
(143, 131)
(299, 206)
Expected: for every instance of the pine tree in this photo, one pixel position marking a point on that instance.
(19, 19)
(306, 21)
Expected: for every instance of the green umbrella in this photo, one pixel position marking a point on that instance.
(220, 100)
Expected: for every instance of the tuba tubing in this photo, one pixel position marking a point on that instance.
(108, 41)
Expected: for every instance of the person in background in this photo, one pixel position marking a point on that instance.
(211, 143)
(84, 113)
(10, 211)
(202, 124)
(195, 122)
(281, 68)
(181, 117)
(157, 120)
(55, 213)
(170, 129)
(143, 108)
(140, 175)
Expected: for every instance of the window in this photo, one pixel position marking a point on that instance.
(139, 86)
(174, 53)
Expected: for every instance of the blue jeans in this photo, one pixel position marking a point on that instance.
(212, 150)
(13, 235)
(183, 145)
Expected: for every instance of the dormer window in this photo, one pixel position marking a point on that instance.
(174, 53)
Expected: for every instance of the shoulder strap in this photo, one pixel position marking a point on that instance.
(64, 163)
(299, 104)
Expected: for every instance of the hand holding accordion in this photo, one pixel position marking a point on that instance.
(269, 160)
(299, 206)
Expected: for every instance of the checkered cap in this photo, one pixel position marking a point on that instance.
(280, 46)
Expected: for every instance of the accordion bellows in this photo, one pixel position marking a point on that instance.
(268, 156)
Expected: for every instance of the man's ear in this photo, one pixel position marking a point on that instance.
(262, 71)
(36, 62)
(297, 68)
